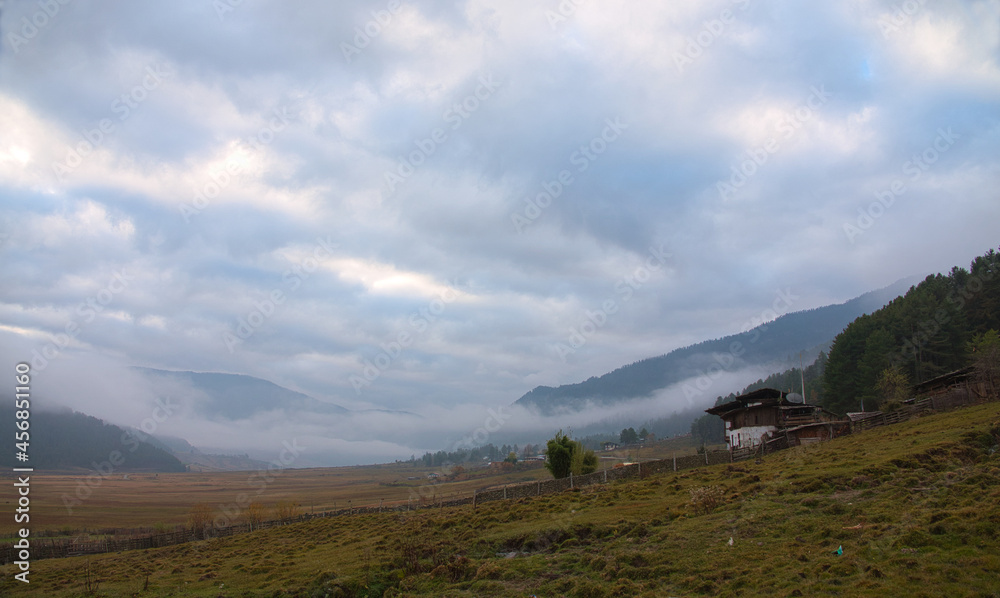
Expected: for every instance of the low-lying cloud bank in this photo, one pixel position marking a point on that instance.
(111, 390)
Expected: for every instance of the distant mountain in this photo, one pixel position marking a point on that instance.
(236, 396)
(196, 460)
(69, 440)
(769, 343)
(171, 444)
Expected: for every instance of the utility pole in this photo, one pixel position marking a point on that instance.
(802, 377)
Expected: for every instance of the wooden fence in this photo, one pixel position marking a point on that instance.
(53, 548)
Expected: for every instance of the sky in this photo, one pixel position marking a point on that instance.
(434, 207)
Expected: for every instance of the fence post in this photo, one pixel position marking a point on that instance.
(571, 480)
(605, 476)
(505, 492)
(475, 494)
(675, 461)
(539, 488)
(706, 455)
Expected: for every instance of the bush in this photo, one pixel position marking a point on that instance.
(706, 498)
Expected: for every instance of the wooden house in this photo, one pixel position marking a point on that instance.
(762, 415)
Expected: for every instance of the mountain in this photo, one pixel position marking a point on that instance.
(767, 344)
(70, 440)
(235, 396)
(196, 460)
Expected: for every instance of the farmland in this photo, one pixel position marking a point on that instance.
(913, 508)
(145, 500)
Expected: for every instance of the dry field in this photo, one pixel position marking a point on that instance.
(165, 500)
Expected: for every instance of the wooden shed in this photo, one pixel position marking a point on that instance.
(954, 388)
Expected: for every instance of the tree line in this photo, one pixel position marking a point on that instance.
(938, 326)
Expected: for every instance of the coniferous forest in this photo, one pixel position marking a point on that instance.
(923, 334)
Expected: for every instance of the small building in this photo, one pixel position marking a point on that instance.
(958, 387)
(762, 415)
(610, 446)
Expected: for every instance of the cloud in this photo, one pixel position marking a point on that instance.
(204, 154)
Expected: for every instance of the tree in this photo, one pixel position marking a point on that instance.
(583, 460)
(511, 458)
(285, 509)
(643, 434)
(985, 351)
(254, 514)
(566, 456)
(893, 388)
(628, 436)
(708, 429)
(559, 457)
(200, 518)
(589, 464)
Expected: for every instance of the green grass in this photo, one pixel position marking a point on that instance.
(915, 507)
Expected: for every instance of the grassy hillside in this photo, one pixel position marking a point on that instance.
(914, 507)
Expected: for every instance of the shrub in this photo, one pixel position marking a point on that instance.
(706, 498)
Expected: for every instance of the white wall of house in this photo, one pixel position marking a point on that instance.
(747, 436)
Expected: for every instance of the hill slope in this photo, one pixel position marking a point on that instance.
(67, 440)
(771, 342)
(237, 396)
(913, 507)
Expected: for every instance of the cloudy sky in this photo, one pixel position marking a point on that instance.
(427, 206)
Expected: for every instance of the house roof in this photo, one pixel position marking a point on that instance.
(950, 377)
(765, 397)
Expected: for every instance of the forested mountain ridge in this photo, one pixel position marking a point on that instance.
(62, 440)
(787, 335)
(918, 336)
